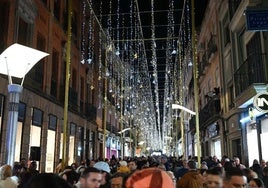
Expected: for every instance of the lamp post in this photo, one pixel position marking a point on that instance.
(177, 106)
(195, 79)
(16, 61)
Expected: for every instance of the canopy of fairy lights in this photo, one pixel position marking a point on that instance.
(132, 86)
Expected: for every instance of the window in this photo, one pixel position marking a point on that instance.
(233, 5)
(54, 74)
(37, 118)
(57, 9)
(23, 32)
(2, 99)
(226, 31)
(4, 8)
(231, 97)
(50, 148)
(82, 88)
(52, 125)
(22, 111)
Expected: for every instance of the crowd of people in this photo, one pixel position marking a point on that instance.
(139, 172)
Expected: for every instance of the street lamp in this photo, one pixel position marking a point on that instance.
(122, 136)
(16, 61)
(124, 130)
(177, 106)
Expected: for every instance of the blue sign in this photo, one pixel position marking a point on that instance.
(257, 19)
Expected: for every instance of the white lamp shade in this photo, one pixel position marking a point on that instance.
(19, 59)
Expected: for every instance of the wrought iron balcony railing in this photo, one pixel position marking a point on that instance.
(251, 71)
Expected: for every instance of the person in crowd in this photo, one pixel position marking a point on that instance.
(256, 167)
(132, 165)
(162, 167)
(256, 183)
(70, 176)
(238, 164)
(214, 178)
(204, 165)
(171, 174)
(45, 180)
(234, 178)
(181, 171)
(5, 177)
(228, 165)
(192, 178)
(25, 176)
(16, 171)
(215, 161)
(265, 176)
(23, 163)
(165, 162)
(59, 168)
(123, 168)
(249, 173)
(106, 176)
(32, 168)
(149, 178)
(118, 180)
(262, 164)
(90, 178)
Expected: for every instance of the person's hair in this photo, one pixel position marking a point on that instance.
(233, 172)
(258, 181)
(45, 180)
(71, 176)
(123, 175)
(5, 172)
(192, 164)
(265, 171)
(88, 170)
(215, 171)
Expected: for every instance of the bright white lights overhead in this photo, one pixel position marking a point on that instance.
(17, 60)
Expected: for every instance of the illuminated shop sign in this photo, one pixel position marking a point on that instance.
(260, 101)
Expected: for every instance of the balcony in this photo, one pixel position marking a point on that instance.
(112, 128)
(207, 114)
(210, 111)
(250, 72)
(90, 111)
(73, 99)
(53, 88)
(203, 64)
(212, 46)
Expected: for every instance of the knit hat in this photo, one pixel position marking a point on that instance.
(123, 169)
(123, 163)
(103, 166)
(149, 178)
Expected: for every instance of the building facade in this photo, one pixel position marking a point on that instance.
(232, 69)
(42, 24)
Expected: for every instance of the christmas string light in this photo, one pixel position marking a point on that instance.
(83, 32)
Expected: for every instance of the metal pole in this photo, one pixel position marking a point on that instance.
(105, 105)
(14, 91)
(67, 81)
(121, 120)
(182, 137)
(196, 89)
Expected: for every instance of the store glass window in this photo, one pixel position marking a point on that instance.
(51, 137)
